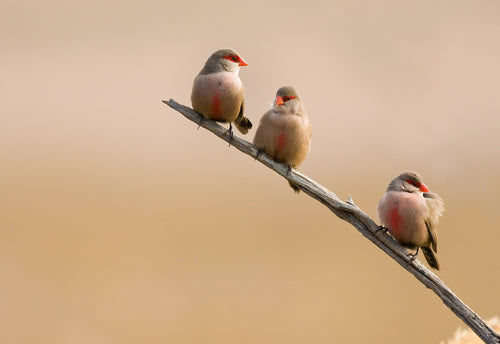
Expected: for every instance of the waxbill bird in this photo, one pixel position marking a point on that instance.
(411, 212)
(284, 132)
(218, 92)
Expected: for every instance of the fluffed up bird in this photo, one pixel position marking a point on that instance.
(218, 92)
(411, 212)
(284, 132)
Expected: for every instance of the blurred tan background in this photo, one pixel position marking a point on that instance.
(122, 223)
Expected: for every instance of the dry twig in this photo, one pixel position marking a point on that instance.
(349, 212)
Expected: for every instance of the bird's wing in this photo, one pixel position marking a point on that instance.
(431, 228)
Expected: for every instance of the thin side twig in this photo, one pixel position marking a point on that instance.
(349, 212)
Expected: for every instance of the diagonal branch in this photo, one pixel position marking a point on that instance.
(349, 212)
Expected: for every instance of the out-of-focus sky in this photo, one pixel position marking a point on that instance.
(122, 223)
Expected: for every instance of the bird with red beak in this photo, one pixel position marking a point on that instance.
(285, 131)
(411, 212)
(218, 92)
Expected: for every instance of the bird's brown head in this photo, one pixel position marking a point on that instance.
(224, 60)
(408, 182)
(287, 100)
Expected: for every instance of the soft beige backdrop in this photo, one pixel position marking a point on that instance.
(122, 223)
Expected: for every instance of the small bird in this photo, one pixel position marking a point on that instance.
(218, 92)
(285, 131)
(411, 212)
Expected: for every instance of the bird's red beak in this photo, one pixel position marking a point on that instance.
(242, 62)
(279, 101)
(424, 188)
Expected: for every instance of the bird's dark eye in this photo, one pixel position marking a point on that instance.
(412, 182)
(232, 58)
(286, 98)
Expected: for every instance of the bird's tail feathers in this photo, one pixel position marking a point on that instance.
(431, 257)
(295, 187)
(243, 124)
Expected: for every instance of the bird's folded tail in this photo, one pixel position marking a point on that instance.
(431, 257)
(243, 124)
(294, 187)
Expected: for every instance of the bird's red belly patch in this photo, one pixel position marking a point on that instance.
(281, 141)
(216, 106)
(395, 221)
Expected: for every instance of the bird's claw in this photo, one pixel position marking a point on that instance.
(413, 256)
(230, 133)
(382, 228)
(259, 152)
(199, 122)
